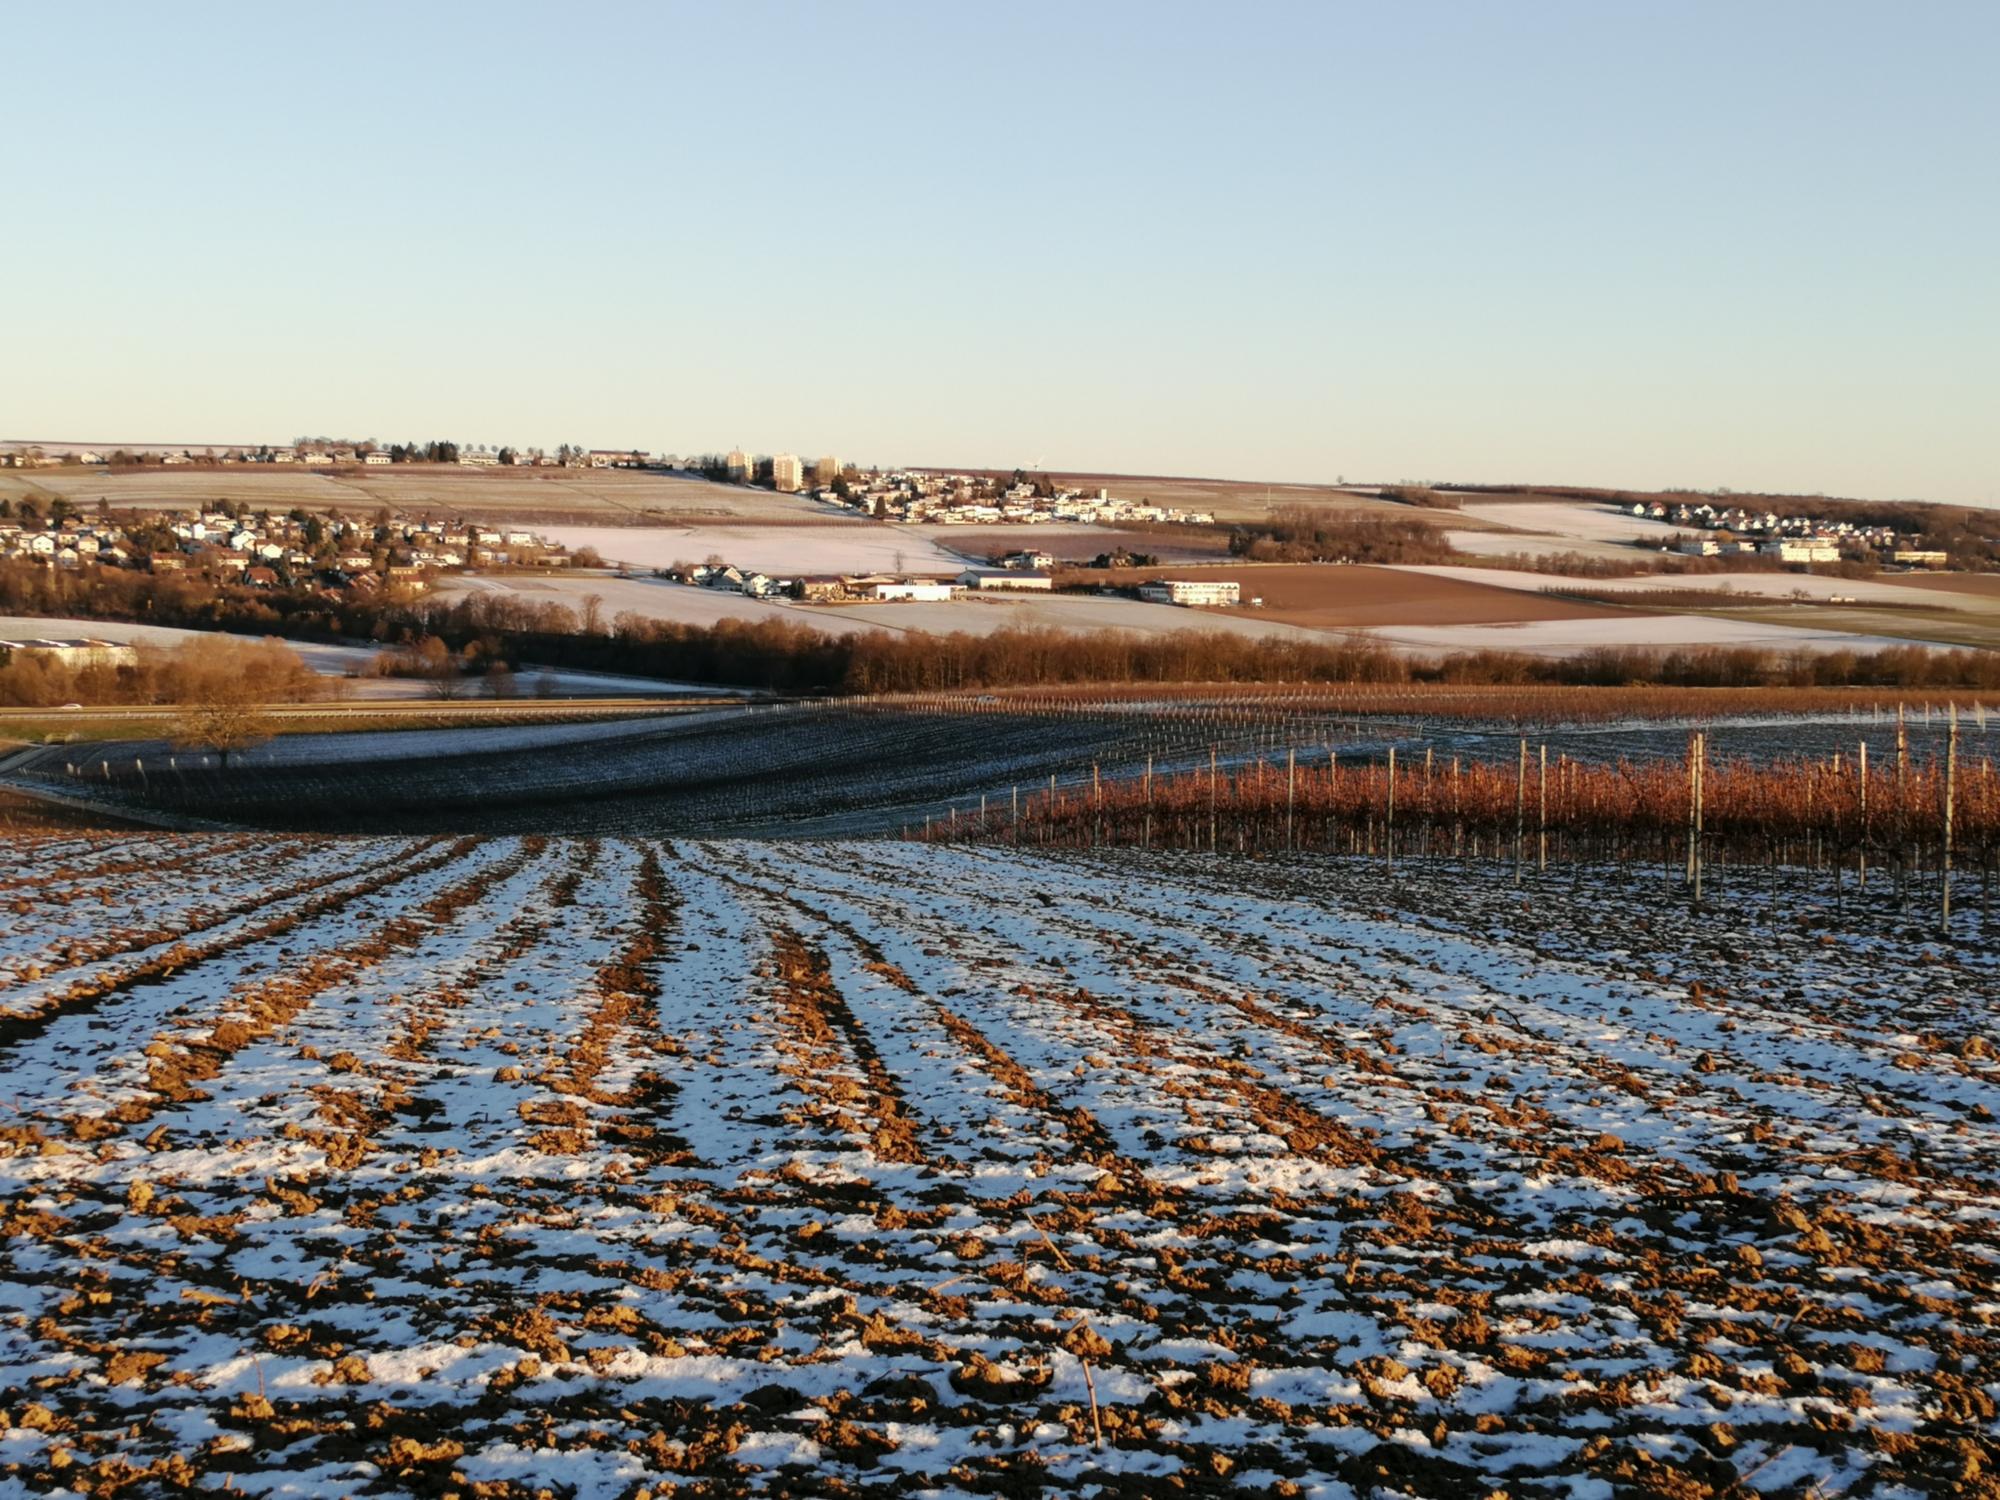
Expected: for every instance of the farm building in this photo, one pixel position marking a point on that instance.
(1805, 549)
(904, 588)
(1205, 591)
(1030, 562)
(76, 651)
(818, 588)
(985, 580)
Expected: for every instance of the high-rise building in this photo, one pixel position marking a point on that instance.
(787, 473)
(826, 470)
(738, 466)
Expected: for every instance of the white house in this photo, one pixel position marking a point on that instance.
(1031, 561)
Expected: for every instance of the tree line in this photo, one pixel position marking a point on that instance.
(206, 670)
(1305, 534)
(480, 631)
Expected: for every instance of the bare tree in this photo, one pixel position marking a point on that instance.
(440, 668)
(224, 723)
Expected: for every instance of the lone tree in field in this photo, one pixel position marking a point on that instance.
(441, 667)
(222, 722)
(221, 687)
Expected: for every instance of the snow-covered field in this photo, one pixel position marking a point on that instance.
(330, 661)
(338, 661)
(1755, 588)
(513, 1167)
(655, 599)
(1548, 526)
(1568, 637)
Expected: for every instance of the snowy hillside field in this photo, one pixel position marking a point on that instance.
(516, 1166)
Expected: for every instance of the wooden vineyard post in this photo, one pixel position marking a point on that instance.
(1211, 799)
(1017, 815)
(1542, 817)
(1697, 768)
(1096, 807)
(1457, 814)
(1521, 811)
(1333, 798)
(1389, 820)
(1291, 791)
(1146, 841)
(1902, 805)
(954, 820)
(1862, 868)
(1427, 845)
(1950, 795)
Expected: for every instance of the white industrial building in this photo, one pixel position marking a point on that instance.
(904, 588)
(1205, 591)
(987, 580)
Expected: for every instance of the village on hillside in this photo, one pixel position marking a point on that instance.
(333, 555)
(1788, 539)
(916, 495)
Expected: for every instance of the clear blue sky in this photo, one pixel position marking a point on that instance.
(1663, 244)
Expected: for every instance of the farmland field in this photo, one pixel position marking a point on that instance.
(1332, 595)
(1238, 499)
(407, 1166)
(525, 496)
(820, 543)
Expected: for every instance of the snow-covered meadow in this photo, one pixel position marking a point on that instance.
(605, 1168)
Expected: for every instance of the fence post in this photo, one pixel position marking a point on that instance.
(1521, 811)
(1457, 814)
(1333, 799)
(1389, 819)
(1146, 838)
(1902, 808)
(1542, 816)
(1950, 795)
(1291, 788)
(1211, 799)
(1863, 872)
(1697, 771)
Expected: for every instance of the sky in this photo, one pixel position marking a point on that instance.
(1699, 245)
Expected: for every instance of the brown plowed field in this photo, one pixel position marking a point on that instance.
(1333, 594)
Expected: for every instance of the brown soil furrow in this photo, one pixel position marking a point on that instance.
(85, 996)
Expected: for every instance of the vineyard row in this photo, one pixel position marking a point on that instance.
(1846, 810)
